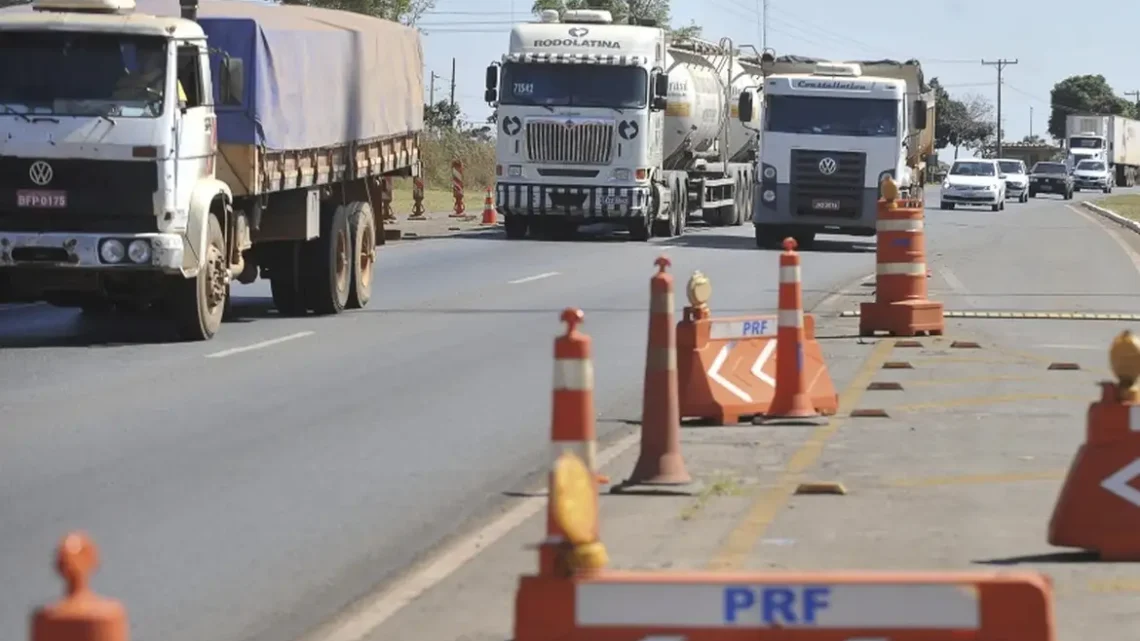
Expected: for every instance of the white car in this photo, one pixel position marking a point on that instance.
(1093, 174)
(1016, 179)
(976, 181)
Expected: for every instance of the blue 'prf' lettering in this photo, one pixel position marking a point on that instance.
(758, 327)
(777, 605)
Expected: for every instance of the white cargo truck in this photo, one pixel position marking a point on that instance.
(152, 155)
(831, 133)
(610, 123)
(1114, 140)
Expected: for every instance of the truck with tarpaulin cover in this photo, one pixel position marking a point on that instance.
(151, 155)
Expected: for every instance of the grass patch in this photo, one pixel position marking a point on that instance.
(437, 151)
(1127, 205)
(719, 485)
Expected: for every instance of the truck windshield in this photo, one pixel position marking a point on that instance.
(832, 116)
(1081, 142)
(571, 85)
(82, 74)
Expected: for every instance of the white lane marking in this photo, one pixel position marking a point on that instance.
(263, 344)
(1099, 222)
(529, 279)
(1057, 346)
(376, 609)
(958, 286)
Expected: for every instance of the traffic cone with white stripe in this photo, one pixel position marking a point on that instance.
(660, 461)
(489, 215)
(791, 399)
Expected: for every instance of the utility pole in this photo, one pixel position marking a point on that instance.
(431, 92)
(453, 84)
(1001, 64)
(764, 28)
(1134, 94)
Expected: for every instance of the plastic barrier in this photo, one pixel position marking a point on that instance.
(457, 189)
(726, 367)
(1099, 505)
(418, 211)
(489, 215)
(585, 602)
(660, 461)
(901, 307)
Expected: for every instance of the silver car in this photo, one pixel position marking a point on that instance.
(1016, 179)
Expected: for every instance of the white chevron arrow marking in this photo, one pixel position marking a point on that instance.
(714, 373)
(1118, 483)
(762, 360)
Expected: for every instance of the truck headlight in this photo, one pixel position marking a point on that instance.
(139, 251)
(112, 251)
(621, 174)
(769, 173)
(514, 171)
(769, 195)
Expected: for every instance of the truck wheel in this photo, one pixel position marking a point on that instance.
(641, 229)
(662, 228)
(328, 264)
(285, 282)
(515, 226)
(362, 223)
(677, 218)
(738, 200)
(197, 304)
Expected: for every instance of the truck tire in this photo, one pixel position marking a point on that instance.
(328, 263)
(738, 200)
(641, 229)
(515, 226)
(285, 282)
(197, 304)
(362, 223)
(663, 228)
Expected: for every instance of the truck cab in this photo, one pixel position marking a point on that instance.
(107, 149)
(829, 137)
(1086, 146)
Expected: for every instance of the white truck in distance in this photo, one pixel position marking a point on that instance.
(607, 123)
(1114, 140)
(831, 133)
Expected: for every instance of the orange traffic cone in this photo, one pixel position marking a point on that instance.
(791, 400)
(572, 424)
(81, 615)
(1099, 505)
(489, 215)
(660, 461)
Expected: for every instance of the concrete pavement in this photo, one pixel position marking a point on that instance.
(250, 487)
(253, 494)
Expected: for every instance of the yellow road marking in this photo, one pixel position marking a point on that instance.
(1114, 585)
(979, 479)
(987, 400)
(740, 542)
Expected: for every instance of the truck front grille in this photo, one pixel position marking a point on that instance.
(815, 192)
(101, 195)
(578, 143)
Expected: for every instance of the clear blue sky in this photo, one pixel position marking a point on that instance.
(949, 37)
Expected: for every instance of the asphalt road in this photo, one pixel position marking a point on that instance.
(250, 487)
(243, 490)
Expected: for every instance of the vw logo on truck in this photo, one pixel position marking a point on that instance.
(828, 166)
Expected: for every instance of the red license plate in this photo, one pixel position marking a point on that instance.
(41, 199)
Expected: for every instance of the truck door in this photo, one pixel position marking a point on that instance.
(197, 133)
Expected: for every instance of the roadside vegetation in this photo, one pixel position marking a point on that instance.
(1127, 205)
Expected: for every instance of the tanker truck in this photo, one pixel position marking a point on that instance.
(152, 155)
(607, 123)
(832, 132)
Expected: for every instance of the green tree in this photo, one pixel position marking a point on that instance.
(442, 115)
(405, 11)
(1088, 94)
(1033, 140)
(960, 123)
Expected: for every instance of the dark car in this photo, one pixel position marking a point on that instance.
(1051, 178)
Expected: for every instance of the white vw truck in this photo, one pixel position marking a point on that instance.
(831, 133)
(607, 123)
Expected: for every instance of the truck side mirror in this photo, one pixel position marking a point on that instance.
(491, 83)
(661, 86)
(920, 114)
(745, 107)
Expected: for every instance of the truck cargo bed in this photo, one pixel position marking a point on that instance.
(250, 170)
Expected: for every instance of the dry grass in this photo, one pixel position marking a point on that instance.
(438, 150)
(1127, 205)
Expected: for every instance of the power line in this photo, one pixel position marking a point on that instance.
(1001, 64)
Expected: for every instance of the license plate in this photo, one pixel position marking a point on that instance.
(1046, 188)
(825, 205)
(41, 199)
(615, 200)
